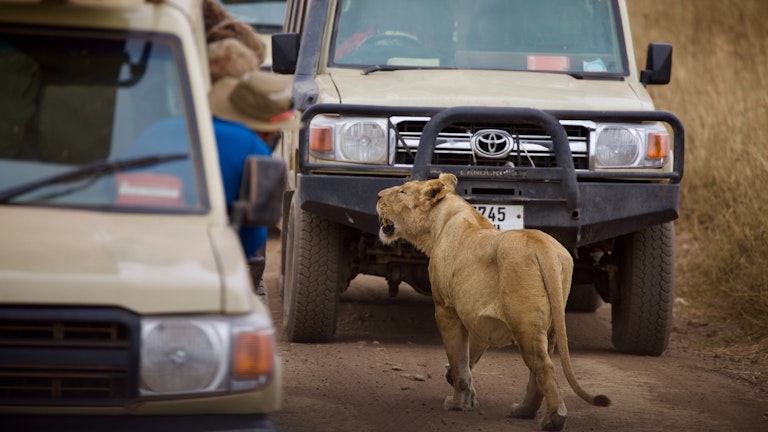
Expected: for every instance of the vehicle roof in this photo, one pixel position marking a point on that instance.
(189, 7)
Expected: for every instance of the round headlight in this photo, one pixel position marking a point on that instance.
(364, 142)
(616, 147)
(181, 356)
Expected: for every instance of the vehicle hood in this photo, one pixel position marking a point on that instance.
(444, 88)
(144, 263)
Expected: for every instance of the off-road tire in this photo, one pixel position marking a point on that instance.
(311, 280)
(286, 238)
(641, 306)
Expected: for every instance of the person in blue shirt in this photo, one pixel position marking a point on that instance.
(248, 115)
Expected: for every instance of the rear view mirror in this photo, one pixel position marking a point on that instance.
(285, 52)
(658, 64)
(261, 192)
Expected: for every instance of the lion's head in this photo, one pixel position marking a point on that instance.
(404, 210)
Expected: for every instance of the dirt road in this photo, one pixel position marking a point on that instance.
(384, 372)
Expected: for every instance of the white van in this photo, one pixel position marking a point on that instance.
(126, 301)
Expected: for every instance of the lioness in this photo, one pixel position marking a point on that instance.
(490, 288)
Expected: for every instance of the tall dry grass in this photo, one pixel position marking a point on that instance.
(719, 90)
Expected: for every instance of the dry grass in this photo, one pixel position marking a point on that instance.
(719, 90)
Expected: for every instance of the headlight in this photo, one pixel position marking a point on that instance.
(180, 356)
(205, 355)
(350, 139)
(631, 146)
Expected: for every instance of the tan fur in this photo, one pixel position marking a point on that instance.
(490, 289)
(240, 31)
(219, 25)
(230, 58)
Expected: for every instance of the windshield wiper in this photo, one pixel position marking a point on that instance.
(596, 76)
(95, 169)
(384, 67)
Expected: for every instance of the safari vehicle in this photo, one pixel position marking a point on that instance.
(535, 105)
(127, 302)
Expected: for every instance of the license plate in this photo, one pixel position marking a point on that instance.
(503, 217)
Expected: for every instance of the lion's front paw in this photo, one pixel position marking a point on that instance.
(464, 403)
(451, 405)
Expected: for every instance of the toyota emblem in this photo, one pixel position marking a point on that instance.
(492, 143)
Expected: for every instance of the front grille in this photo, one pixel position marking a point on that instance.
(533, 147)
(68, 356)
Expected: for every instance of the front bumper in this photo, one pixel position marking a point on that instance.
(576, 207)
(163, 423)
(71, 360)
(606, 210)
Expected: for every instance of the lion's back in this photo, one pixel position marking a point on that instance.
(531, 251)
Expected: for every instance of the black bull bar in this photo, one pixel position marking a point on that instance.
(576, 207)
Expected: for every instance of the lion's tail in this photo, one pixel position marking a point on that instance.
(554, 287)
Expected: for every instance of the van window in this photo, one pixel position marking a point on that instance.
(93, 118)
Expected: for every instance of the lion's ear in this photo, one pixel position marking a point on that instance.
(435, 190)
(449, 180)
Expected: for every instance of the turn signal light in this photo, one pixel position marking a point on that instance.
(254, 355)
(658, 146)
(321, 139)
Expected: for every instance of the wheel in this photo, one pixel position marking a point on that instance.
(311, 280)
(286, 238)
(641, 307)
(380, 48)
(583, 298)
(376, 49)
(391, 39)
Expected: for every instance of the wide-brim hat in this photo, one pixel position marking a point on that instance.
(260, 100)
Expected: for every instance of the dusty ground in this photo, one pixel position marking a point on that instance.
(384, 372)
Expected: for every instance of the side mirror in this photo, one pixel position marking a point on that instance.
(261, 192)
(285, 52)
(658, 64)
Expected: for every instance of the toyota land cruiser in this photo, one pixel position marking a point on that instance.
(535, 105)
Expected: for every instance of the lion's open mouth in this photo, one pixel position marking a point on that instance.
(387, 226)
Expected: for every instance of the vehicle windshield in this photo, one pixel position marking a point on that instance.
(578, 37)
(265, 16)
(89, 119)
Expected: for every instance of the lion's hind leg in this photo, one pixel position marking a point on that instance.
(531, 403)
(542, 383)
(456, 342)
